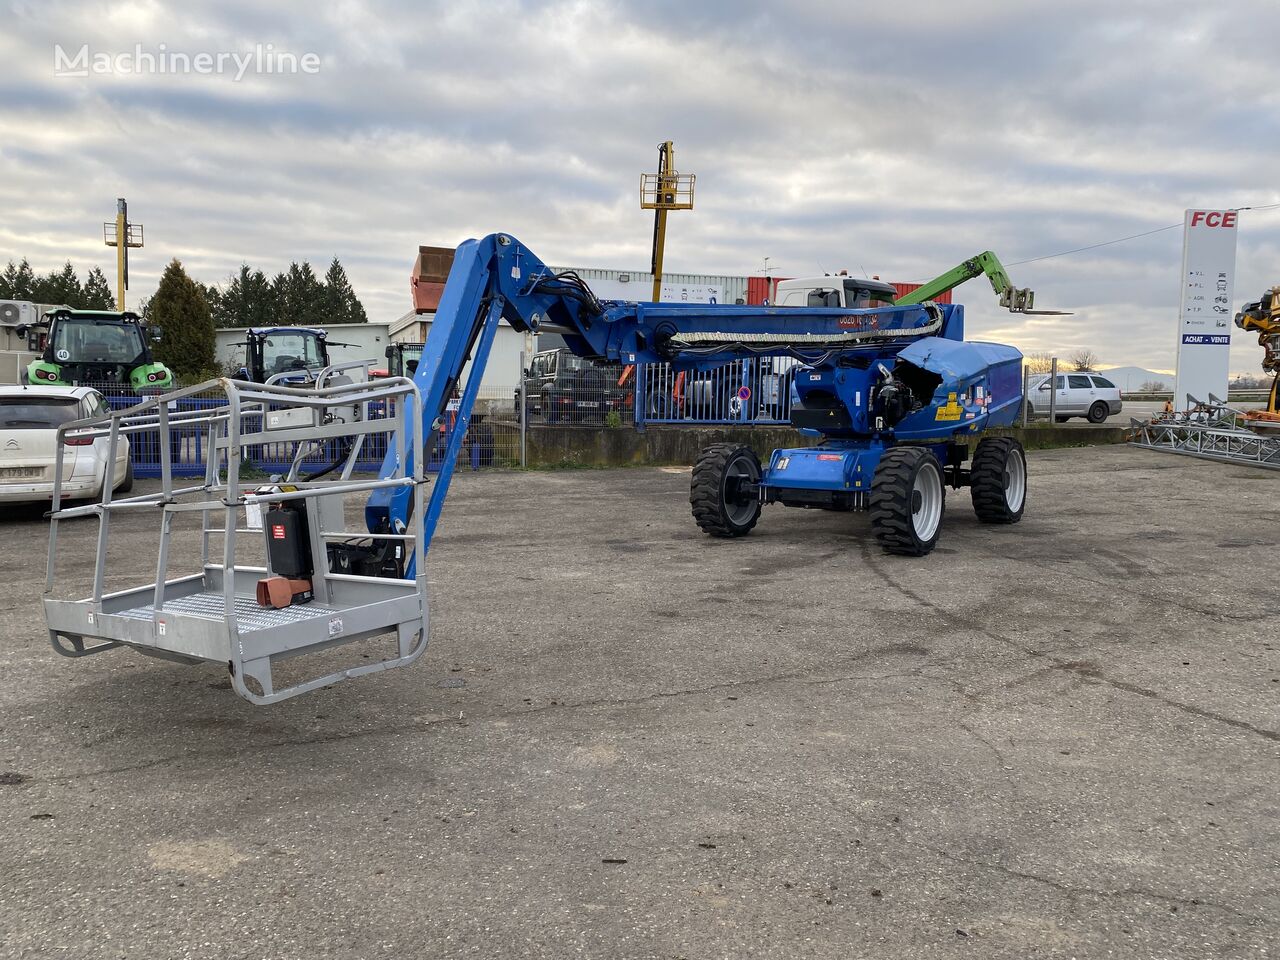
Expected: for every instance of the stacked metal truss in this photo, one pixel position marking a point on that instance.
(1209, 430)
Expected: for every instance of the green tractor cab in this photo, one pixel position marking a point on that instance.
(101, 348)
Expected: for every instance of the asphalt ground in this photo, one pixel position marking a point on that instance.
(1058, 739)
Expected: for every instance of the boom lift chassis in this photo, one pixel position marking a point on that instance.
(894, 393)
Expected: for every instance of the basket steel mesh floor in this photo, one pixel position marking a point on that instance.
(249, 615)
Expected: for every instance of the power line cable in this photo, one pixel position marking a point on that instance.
(1094, 246)
(1135, 236)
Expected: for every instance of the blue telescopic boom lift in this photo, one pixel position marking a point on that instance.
(893, 394)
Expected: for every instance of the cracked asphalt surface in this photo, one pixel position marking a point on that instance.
(1058, 739)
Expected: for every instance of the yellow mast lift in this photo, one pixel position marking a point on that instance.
(660, 192)
(122, 235)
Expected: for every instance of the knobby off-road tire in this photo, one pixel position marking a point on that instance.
(998, 480)
(907, 501)
(717, 507)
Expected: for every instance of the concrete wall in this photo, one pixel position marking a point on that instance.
(13, 365)
(552, 446)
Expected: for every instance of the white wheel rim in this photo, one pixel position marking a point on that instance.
(1015, 481)
(927, 492)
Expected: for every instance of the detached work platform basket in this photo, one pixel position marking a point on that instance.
(215, 615)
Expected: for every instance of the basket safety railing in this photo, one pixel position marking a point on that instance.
(212, 615)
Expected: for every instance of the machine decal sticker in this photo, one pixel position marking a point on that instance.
(951, 411)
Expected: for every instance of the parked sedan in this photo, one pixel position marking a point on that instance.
(29, 421)
(1084, 394)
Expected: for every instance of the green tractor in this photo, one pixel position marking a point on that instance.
(101, 348)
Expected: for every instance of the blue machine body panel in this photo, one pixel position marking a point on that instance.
(872, 378)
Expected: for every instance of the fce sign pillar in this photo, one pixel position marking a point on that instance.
(1204, 317)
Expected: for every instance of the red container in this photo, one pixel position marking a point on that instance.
(905, 288)
(430, 271)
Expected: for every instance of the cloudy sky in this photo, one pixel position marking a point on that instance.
(895, 138)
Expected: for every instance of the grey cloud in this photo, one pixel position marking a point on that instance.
(898, 138)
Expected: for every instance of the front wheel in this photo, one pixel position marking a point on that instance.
(1099, 412)
(907, 501)
(722, 506)
(998, 480)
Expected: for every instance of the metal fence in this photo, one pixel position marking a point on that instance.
(492, 440)
(754, 390)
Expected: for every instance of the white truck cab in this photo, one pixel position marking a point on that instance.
(839, 290)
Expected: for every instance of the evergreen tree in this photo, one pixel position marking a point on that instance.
(17, 282)
(97, 293)
(340, 302)
(311, 297)
(180, 309)
(279, 299)
(247, 301)
(213, 297)
(60, 286)
(300, 297)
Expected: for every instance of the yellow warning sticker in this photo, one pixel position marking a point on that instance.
(951, 411)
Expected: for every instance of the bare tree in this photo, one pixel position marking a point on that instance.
(1039, 362)
(1084, 359)
(1153, 386)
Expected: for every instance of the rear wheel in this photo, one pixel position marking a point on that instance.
(720, 505)
(907, 501)
(1099, 412)
(998, 480)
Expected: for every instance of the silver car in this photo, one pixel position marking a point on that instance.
(29, 421)
(1084, 394)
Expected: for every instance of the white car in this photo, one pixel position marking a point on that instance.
(29, 420)
(1083, 394)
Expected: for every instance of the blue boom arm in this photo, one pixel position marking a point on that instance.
(858, 364)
